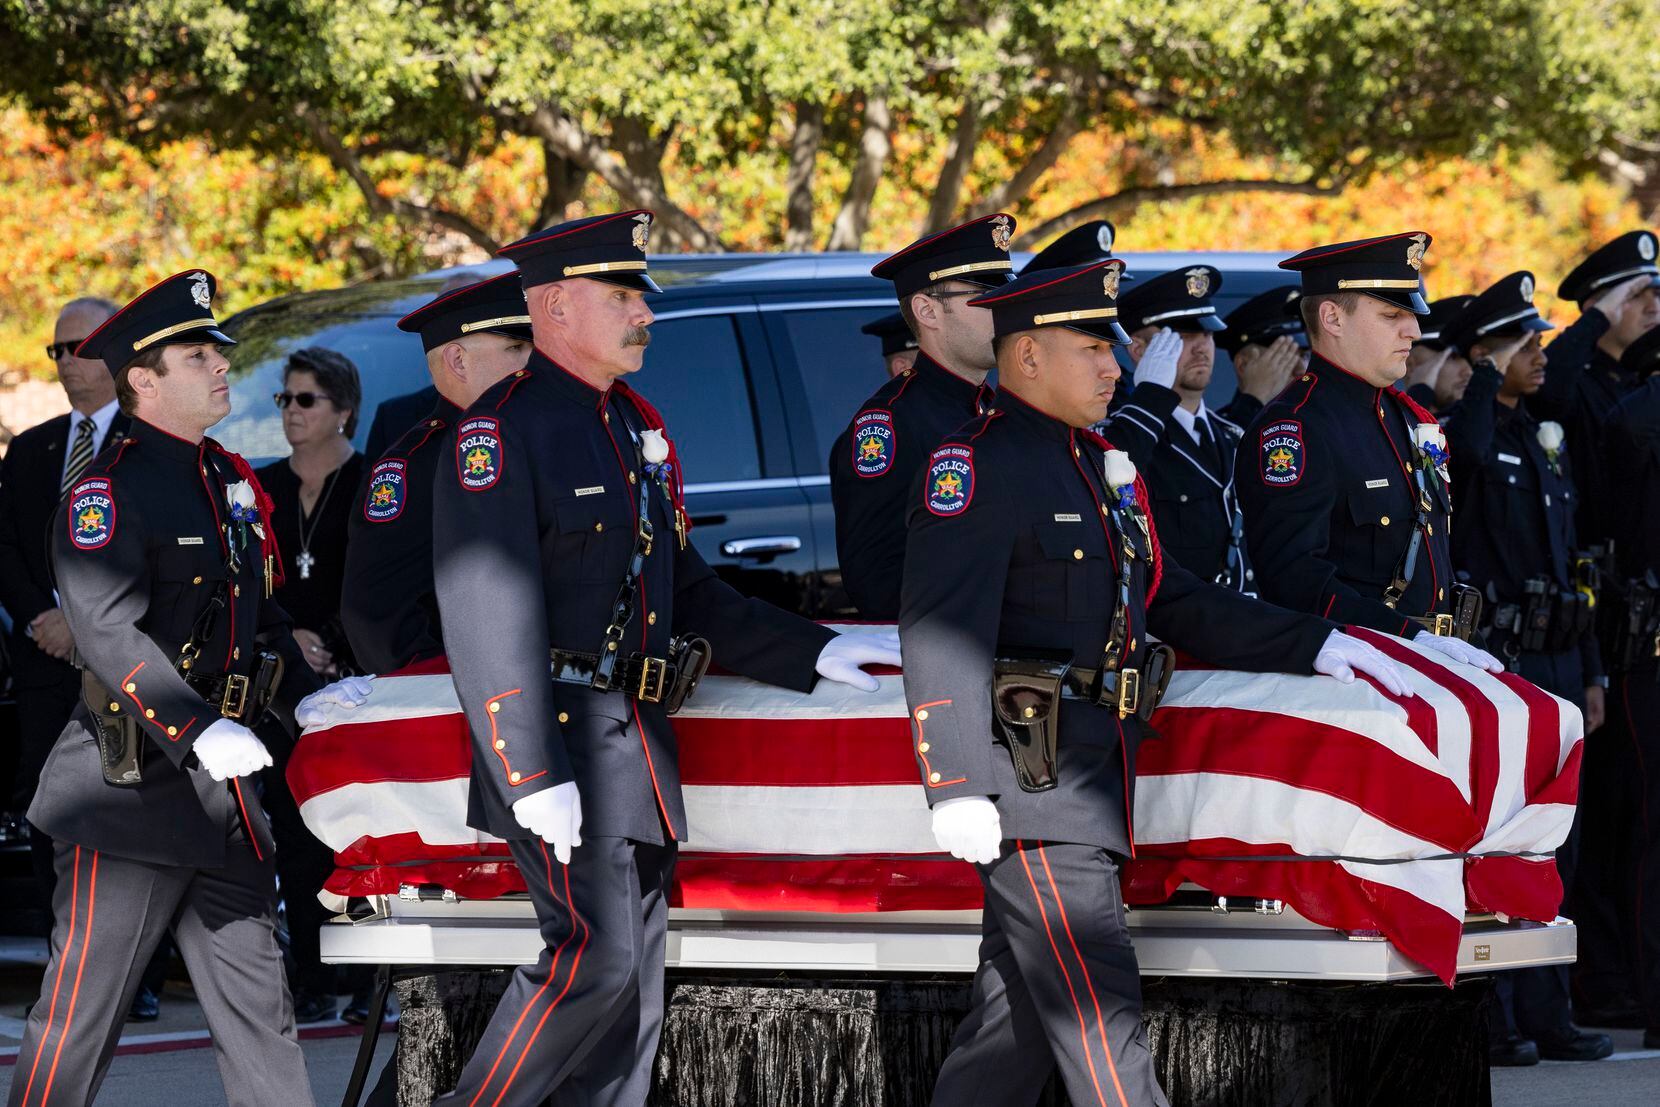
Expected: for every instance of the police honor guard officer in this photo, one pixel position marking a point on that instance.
(1268, 343)
(163, 552)
(1033, 579)
(1348, 512)
(1515, 543)
(1186, 450)
(898, 343)
(473, 337)
(874, 465)
(1617, 980)
(560, 535)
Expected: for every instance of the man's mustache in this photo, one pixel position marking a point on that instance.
(637, 336)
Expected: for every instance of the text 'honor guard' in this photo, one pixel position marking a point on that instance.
(1034, 580)
(578, 618)
(874, 465)
(1348, 510)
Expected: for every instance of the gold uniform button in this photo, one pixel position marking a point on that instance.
(1442, 595)
(520, 373)
(115, 708)
(236, 590)
(606, 417)
(495, 707)
(197, 580)
(1429, 528)
(515, 777)
(501, 743)
(564, 717)
(434, 423)
(149, 713)
(1384, 521)
(922, 716)
(1103, 509)
(1029, 712)
(651, 618)
(172, 732)
(923, 747)
(236, 653)
(632, 479)
(598, 527)
(1077, 555)
(132, 687)
(933, 778)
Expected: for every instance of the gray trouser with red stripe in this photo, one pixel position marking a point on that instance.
(585, 1018)
(1057, 985)
(109, 915)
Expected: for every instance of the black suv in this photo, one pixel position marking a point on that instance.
(756, 363)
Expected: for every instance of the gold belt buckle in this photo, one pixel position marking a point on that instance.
(236, 688)
(654, 679)
(1129, 692)
(1442, 626)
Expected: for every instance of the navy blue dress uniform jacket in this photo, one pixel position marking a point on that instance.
(1326, 480)
(1029, 566)
(874, 468)
(1582, 386)
(1193, 494)
(535, 518)
(1515, 508)
(388, 602)
(1633, 465)
(138, 548)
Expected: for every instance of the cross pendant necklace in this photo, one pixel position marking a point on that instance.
(305, 561)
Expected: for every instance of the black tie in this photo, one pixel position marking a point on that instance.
(1207, 445)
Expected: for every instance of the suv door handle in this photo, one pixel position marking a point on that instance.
(768, 546)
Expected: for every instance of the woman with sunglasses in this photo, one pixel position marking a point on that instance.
(313, 490)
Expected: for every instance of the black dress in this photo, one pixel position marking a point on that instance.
(313, 599)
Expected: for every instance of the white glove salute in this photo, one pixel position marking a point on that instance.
(1158, 361)
(1342, 657)
(345, 692)
(228, 749)
(968, 828)
(842, 656)
(1458, 650)
(555, 816)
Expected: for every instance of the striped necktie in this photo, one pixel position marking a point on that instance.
(80, 454)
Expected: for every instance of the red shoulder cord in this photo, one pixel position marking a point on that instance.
(1146, 503)
(654, 421)
(262, 500)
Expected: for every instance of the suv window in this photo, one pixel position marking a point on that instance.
(694, 374)
(839, 367)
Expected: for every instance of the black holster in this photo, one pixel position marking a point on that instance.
(1026, 699)
(120, 745)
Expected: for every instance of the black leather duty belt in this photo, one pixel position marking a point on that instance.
(647, 679)
(1132, 691)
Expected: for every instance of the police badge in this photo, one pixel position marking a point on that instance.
(642, 231)
(1103, 238)
(199, 290)
(1001, 233)
(1198, 283)
(1645, 247)
(1415, 252)
(1527, 289)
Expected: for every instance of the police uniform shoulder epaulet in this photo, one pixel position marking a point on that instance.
(417, 436)
(1297, 393)
(497, 395)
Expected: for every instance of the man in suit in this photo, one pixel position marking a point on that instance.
(42, 462)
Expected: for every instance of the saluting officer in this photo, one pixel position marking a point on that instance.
(164, 555)
(1185, 450)
(1437, 375)
(473, 337)
(560, 539)
(1348, 513)
(875, 462)
(1618, 292)
(1033, 580)
(1617, 979)
(1268, 343)
(1515, 542)
(898, 343)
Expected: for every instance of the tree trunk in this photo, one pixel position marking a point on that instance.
(875, 144)
(1043, 159)
(564, 183)
(798, 181)
(959, 156)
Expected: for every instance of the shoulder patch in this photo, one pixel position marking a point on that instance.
(1281, 449)
(873, 443)
(478, 457)
(92, 513)
(950, 486)
(387, 488)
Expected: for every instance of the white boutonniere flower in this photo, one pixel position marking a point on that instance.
(244, 506)
(1431, 441)
(1551, 437)
(654, 447)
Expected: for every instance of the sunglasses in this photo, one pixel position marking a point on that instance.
(306, 400)
(57, 351)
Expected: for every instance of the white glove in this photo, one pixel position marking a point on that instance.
(227, 748)
(1158, 361)
(1458, 650)
(555, 816)
(842, 655)
(345, 692)
(968, 827)
(1342, 657)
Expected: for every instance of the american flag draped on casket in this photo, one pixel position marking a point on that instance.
(1361, 810)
